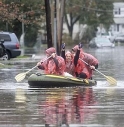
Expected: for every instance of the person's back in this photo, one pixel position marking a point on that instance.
(92, 61)
(61, 66)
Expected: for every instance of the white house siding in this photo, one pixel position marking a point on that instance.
(75, 29)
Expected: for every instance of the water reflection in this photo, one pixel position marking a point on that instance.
(20, 95)
(59, 107)
(65, 106)
(82, 100)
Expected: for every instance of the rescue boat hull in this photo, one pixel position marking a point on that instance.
(50, 81)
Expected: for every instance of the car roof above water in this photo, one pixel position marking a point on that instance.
(10, 33)
(8, 36)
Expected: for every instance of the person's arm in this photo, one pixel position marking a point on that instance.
(55, 60)
(91, 60)
(76, 57)
(39, 65)
(63, 51)
(63, 54)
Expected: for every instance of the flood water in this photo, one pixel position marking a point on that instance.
(97, 106)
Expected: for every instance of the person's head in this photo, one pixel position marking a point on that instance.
(74, 49)
(50, 51)
(68, 56)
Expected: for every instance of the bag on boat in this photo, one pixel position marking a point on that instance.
(67, 74)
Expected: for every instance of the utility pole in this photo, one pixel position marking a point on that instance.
(52, 19)
(55, 27)
(61, 21)
(57, 13)
(48, 24)
(60, 14)
(58, 25)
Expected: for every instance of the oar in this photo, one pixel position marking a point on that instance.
(21, 76)
(110, 79)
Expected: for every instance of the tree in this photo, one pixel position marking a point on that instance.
(105, 13)
(15, 12)
(90, 12)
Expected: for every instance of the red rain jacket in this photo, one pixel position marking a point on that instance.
(81, 66)
(53, 65)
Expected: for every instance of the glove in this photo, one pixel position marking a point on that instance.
(53, 55)
(63, 46)
(92, 67)
(80, 45)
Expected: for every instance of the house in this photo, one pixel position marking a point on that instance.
(118, 13)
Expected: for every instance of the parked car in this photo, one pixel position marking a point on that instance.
(11, 44)
(108, 35)
(100, 42)
(119, 38)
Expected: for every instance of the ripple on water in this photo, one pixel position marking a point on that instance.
(105, 84)
(14, 85)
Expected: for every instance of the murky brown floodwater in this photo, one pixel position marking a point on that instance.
(98, 106)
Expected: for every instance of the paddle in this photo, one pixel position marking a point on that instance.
(110, 79)
(21, 76)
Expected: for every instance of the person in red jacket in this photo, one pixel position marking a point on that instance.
(73, 63)
(69, 58)
(54, 65)
(83, 70)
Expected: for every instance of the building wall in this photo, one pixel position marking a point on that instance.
(118, 12)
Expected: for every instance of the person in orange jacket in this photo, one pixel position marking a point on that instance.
(54, 65)
(82, 69)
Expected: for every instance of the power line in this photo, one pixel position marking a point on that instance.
(96, 9)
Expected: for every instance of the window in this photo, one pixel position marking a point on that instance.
(118, 27)
(117, 11)
(5, 37)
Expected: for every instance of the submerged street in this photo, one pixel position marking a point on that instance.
(97, 106)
